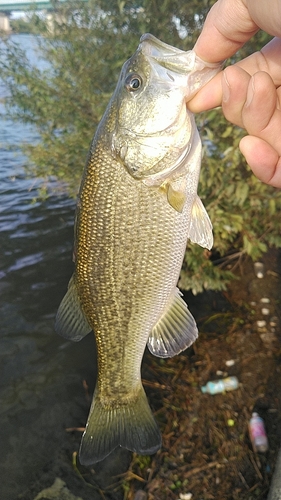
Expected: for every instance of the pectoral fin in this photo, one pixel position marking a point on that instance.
(71, 322)
(175, 331)
(176, 198)
(200, 230)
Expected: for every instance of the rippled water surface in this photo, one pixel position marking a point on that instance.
(40, 373)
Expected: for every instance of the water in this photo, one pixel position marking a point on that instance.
(41, 375)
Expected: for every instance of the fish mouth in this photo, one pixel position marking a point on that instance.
(170, 64)
(168, 56)
(194, 70)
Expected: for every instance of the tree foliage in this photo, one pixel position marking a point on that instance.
(84, 52)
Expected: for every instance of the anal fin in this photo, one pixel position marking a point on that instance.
(71, 323)
(175, 331)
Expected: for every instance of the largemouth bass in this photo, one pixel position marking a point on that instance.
(136, 208)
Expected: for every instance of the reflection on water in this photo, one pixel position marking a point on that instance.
(40, 374)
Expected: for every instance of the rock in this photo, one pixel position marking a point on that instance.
(58, 491)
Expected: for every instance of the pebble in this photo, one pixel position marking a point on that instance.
(185, 496)
(267, 337)
(140, 495)
(273, 321)
(265, 300)
(265, 311)
(259, 269)
(230, 362)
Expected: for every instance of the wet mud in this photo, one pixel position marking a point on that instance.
(47, 385)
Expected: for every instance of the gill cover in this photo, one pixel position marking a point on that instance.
(154, 131)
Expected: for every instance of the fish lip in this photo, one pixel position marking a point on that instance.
(172, 51)
(158, 46)
(191, 67)
(169, 57)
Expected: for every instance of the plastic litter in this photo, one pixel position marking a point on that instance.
(222, 385)
(257, 433)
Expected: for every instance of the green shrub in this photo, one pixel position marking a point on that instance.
(65, 101)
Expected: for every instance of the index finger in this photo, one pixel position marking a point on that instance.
(227, 27)
(268, 60)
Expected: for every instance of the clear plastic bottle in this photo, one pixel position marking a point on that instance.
(222, 385)
(258, 433)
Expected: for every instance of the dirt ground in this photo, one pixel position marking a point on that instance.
(206, 452)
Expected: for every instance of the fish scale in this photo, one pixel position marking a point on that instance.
(130, 253)
(136, 208)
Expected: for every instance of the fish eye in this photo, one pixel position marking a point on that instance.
(133, 82)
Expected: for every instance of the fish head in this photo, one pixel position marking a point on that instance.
(154, 131)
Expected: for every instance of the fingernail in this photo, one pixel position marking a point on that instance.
(225, 88)
(251, 92)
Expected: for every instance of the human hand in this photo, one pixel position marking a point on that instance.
(250, 91)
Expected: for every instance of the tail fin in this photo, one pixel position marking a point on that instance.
(130, 425)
